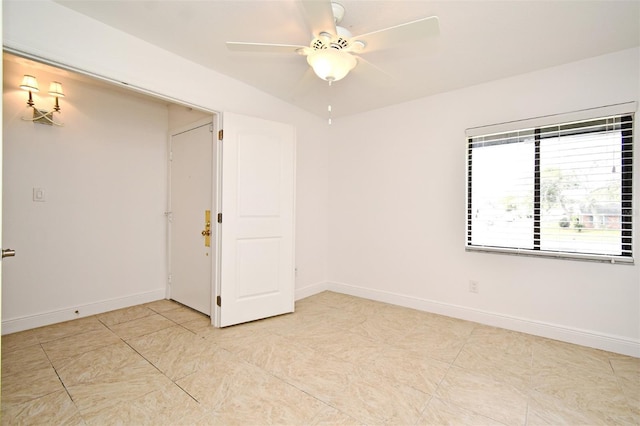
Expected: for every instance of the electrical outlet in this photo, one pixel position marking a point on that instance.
(473, 286)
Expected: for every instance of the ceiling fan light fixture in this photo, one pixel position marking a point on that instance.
(331, 64)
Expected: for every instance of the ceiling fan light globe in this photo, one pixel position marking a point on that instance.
(331, 64)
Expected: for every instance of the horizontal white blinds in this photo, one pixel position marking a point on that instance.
(559, 188)
(532, 123)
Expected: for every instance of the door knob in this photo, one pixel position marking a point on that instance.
(207, 228)
(8, 253)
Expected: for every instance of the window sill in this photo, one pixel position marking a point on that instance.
(553, 255)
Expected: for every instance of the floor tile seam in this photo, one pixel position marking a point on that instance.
(110, 374)
(471, 410)
(144, 334)
(324, 403)
(459, 407)
(527, 393)
(624, 394)
(444, 376)
(286, 380)
(34, 399)
(86, 350)
(187, 392)
(176, 322)
(66, 336)
(426, 405)
(294, 383)
(8, 352)
(127, 339)
(530, 389)
(316, 415)
(453, 361)
(64, 386)
(522, 389)
(150, 363)
(6, 375)
(111, 405)
(73, 401)
(164, 310)
(151, 312)
(76, 334)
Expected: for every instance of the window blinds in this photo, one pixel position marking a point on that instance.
(561, 189)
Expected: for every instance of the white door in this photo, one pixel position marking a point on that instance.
(192, 159)
(257, 231)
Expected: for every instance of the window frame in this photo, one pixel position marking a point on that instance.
(626, 112)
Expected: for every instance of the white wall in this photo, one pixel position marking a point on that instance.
(397, 212)
(180, 115)
(396, 183)
(52, 32)
(98, 239)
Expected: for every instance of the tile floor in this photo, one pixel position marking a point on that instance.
(339, 360)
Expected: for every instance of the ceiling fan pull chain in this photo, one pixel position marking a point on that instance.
(329, 106)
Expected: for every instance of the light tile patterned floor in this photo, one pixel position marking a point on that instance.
(339, 360)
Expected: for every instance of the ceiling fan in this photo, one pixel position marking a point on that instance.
(333, 51)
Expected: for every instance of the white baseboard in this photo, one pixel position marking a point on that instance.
(47, 318)
(577, 336)
(310, 290)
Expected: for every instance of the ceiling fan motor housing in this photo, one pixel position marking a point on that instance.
(326, 40)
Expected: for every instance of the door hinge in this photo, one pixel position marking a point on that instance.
(220, 132)
(218, 300)
(219, 217)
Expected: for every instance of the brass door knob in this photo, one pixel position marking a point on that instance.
(206, 233)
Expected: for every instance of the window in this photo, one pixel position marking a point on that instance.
(562, 190)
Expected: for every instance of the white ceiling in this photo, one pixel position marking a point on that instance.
(479, 41)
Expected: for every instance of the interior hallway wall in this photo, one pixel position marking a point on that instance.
(98, 237)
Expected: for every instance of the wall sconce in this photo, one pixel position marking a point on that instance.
(30, 84)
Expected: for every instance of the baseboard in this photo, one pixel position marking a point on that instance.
(577, 336)
(310, 290)
(47, 318)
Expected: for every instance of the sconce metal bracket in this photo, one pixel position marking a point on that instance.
(43, 117)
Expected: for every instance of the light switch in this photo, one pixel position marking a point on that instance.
(38, 194)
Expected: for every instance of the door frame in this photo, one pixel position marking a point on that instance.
(213, 120)
(217, 240)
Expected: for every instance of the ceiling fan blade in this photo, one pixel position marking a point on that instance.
(372, 73)
(388, 37)
(237, 46)
(304, 85)
(318, 15)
